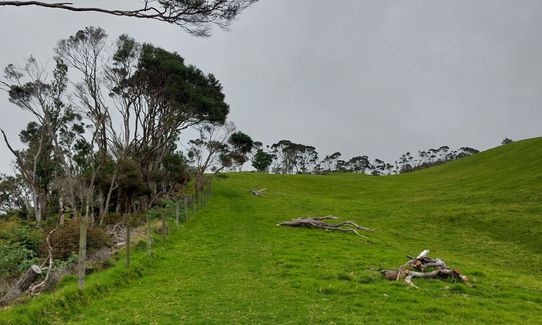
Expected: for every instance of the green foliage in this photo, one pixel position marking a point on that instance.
(14, 233)
(241, 144)
(186, 89)
(262, 160)
(15, 258)
(12, 196)
(130, 179)
(27, 237)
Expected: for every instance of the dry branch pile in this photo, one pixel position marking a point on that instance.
(423, 266)
(345, 226)
(258, 193)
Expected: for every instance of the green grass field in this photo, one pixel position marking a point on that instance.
(232, 264)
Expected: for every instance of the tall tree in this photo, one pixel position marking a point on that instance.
(262, 160)
(241, 145)
(210, 152)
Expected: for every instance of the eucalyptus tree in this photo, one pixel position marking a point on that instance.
(30, 89)
(290, 157)
(329, 162)
(284, 154)
(359, 164)
(210, 152)
(307, 158)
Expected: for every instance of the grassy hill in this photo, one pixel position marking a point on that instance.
(232, 264)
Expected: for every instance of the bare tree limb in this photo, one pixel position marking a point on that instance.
(316, 222)
(418, 268)
(258, 193)
(192, 16)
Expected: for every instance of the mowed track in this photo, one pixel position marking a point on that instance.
(232, 264)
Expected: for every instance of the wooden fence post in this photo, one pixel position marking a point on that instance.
(164, 230)
(149, 236)
(127, 238)
(186, 208)
(177, 214)
(193, 205)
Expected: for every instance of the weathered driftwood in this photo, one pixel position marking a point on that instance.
(22, 285)
(316, 222)
(258, 193)
(423, 266)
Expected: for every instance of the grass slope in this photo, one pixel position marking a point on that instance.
(232, 264)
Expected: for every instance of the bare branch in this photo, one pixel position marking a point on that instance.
(192, 16)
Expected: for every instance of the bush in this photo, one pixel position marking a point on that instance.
(15, 258)
(65, 241)
(13, 232)
(28, 237)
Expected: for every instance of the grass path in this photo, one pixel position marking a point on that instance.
(232, 264)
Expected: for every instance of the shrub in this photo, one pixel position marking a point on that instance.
(14, 232)
(28, 237)
(65, 241)
(15, 258)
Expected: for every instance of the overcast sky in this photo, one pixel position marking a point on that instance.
(361, 77)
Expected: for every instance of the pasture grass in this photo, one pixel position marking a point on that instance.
(231, 263)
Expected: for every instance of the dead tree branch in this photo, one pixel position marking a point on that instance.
(192, 16)
(316, 222)
(258, 193)
(423, 266)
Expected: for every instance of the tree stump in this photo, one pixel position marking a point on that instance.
(22, 285)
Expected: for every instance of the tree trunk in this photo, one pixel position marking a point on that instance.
(37, 207)
(108, 198)
(61, 205)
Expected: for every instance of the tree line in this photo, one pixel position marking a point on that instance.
(287, 157)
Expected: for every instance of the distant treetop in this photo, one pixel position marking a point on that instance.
(507, 141)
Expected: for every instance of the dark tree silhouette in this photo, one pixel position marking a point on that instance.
(262, 160)
(507, 141)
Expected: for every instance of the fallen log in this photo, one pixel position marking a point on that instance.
(423, 266)
(317, 222)
(258, 193)
(22, 285)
